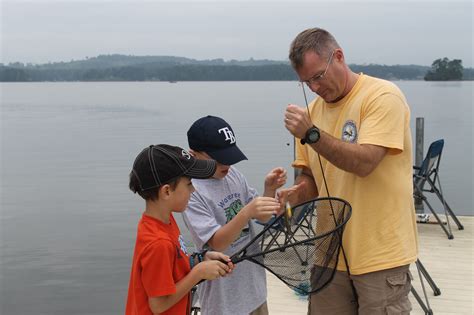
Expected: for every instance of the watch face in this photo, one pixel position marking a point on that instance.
(313, 135)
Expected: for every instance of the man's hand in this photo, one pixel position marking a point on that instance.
(283, 195)
(297, 120)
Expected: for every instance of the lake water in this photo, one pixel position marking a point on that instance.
(68, 219)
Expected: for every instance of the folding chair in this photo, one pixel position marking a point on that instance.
(422, 272)
(426, 179)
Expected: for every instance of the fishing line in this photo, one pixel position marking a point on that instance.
(319, 156)
(329, 196)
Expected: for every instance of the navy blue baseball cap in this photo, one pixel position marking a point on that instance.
(215, 136)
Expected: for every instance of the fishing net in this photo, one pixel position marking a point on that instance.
(301, 246)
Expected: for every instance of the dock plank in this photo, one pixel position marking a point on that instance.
(449, 263)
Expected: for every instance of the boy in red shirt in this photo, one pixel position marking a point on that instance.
(162, 273)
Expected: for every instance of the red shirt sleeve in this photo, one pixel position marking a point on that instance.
(157, 262)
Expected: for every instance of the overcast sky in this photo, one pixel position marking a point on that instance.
(383, 32)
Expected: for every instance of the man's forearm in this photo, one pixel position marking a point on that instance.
(350, 157)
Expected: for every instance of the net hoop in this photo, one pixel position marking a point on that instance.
(287, 249)
(238, 257)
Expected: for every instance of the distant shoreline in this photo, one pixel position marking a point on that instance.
(121, 68)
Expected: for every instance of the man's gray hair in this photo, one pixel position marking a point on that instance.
(313, 39)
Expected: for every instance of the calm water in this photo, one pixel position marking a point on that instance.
(67, 218)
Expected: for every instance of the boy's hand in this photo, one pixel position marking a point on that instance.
(212, 269)
(211, 255)
(262, 208)
(275, 179)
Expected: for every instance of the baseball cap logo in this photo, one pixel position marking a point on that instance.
(229, 135)
(186, 154)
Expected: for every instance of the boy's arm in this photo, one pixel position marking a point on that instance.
(208, 270)
(260, 208)
(228, 233)
(160, 304)
(201, 221)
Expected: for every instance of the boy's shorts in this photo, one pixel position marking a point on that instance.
(380, 292)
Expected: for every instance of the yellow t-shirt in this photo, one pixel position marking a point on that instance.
(381, 233)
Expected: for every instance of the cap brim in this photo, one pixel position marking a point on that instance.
(202, 169)
(227, 156)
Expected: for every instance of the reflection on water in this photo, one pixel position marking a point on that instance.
(67, 218)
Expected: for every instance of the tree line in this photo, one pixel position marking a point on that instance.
(170, 68)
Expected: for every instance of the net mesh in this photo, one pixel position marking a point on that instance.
(301, 250)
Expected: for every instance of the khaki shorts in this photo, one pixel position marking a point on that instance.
(261, 310)
(380, 292)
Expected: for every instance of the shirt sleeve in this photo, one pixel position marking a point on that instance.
(157, 262)
(383, 122)
(302, 159)
(200, 220)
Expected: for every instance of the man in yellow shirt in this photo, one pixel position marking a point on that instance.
(360, 128)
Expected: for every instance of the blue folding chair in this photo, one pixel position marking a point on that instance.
(423, 273)
(426, 179)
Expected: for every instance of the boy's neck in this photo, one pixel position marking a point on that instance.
(158, 211)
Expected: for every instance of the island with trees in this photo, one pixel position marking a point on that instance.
(445, 70)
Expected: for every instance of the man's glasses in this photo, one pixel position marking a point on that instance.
(319, 77)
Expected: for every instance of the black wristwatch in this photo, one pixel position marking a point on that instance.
(312, 136)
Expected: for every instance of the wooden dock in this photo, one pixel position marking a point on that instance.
(448, 262)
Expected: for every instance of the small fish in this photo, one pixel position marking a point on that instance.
(289, 212)
(288, 215)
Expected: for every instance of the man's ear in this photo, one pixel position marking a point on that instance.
(339, 54)
(192, 152)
